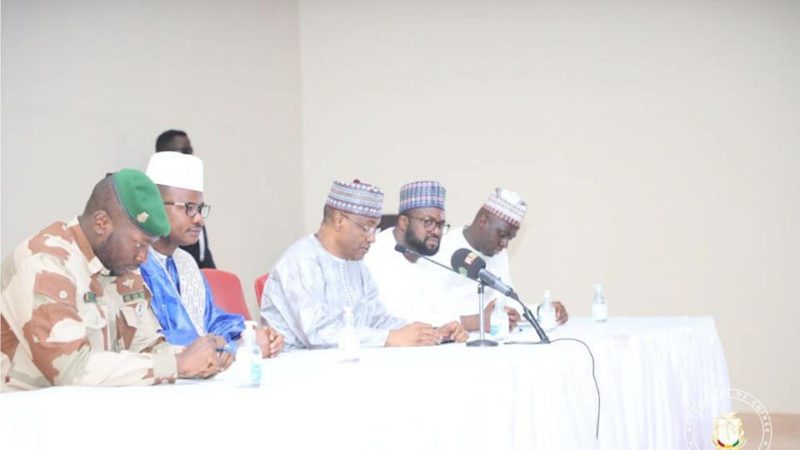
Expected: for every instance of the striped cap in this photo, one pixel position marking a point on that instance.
(358, 198)
(421, 194)
(506, 205)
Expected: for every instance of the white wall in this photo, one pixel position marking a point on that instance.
(87, 86)
(656, 143)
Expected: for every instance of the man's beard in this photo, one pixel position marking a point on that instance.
(105, 254)
(418, 245)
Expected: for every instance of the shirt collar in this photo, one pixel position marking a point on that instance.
(160, 258)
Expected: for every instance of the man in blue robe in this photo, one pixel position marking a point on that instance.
(182, 299)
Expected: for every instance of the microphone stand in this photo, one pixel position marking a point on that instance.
(481, 341)
(528, 315)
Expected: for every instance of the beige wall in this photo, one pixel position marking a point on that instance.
(88, 86)
(657, 144)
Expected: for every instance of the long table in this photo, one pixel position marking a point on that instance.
(662, 381)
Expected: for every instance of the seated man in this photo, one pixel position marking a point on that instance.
(182, 300)
(494, 226)
(322, 273)
(74, 309)
(412, 287)
(178, 141)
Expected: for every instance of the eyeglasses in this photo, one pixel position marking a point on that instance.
(430, 224)
(369, 231)
(193, 208)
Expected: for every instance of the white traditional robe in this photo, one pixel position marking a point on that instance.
(461, 293)
(411, 290)
(307, 290)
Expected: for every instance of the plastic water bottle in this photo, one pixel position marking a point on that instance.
(599, 306)
(547, 313)
(349, 344)
(248, 357)
(498, 321)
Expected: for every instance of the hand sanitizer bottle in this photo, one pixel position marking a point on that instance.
(547, 313)
(599, 306)
(498, 321)
(248, 357)
(349, 343)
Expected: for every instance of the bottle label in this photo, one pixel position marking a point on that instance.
(600, 312)
(255, 373)
(548, 320)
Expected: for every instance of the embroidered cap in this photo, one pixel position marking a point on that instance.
(176, 169)
(141, 200)
(421, 194)
(506, 205)
(358, 198)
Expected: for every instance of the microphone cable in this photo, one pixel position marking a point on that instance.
(594, 376)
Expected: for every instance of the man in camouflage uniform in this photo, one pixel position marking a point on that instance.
(74, 308)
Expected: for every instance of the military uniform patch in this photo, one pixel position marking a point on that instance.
(133, 296)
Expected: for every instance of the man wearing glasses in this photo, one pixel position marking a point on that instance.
(321, 274)
(410, 286)
(178, 141)
(182, 300)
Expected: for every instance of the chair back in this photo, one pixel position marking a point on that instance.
(228, 292)
(259, 285)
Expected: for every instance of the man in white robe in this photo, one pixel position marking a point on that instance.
(493, 228)
(410, 286)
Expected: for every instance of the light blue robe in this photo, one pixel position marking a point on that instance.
(306, 293)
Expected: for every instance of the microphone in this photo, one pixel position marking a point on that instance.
(403, 249)
(469, 264)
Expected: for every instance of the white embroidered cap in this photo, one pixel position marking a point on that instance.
(176, 169)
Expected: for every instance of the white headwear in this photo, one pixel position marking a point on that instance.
(506, 205)
(176, 169)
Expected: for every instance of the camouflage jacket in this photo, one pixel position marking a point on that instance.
(67, 321)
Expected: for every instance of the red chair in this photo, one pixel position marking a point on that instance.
(260, 282)
(228, 292)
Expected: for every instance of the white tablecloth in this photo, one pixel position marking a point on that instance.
(654, 375)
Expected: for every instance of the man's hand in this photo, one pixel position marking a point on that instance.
(269, 340)
(561, 313)
(413, 334)
(513, 317)
(201, 358)
(471, 322)
(453, 331)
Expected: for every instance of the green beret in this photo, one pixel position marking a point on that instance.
(140, 198)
